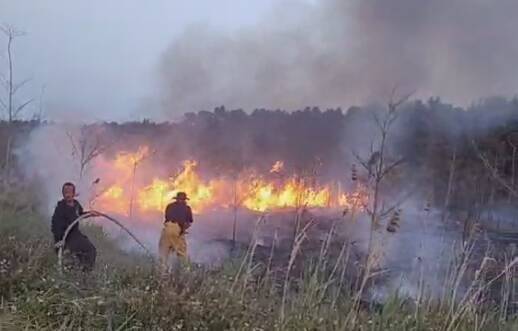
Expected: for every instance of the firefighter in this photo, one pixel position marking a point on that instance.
(178, 218)
(66, 212)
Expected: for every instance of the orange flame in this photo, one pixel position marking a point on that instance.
(255, 193)
(160, 192)
(125, 162)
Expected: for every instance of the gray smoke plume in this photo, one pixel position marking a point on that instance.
(334, 52)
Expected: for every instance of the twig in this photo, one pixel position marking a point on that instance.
(299, 239)
(360, 160)
(494, 171)
(391, 166)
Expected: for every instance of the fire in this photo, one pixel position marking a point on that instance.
(254, 192)
(293, 193)
(126, 162)
(355, 200)
(115, 192)
(113, 199)
(154, 196)
(160, 192)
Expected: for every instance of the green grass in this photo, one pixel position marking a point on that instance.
(126, 293)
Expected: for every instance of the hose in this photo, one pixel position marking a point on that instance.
(109, 218)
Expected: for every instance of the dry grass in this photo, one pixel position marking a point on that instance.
(125, 293)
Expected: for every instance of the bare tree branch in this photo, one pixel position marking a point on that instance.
(10, 31)
(21, 107)
(97, 149)
(4, 81)
(391, 167)
(393, 105)
(72, 142)
(16, 87)
(360, 160)
(2, 104)
(379, 165)
(40, 103)
(11, 88)
(377, 120)
(493, 171)
(86, 146)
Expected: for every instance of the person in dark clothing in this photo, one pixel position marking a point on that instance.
(178, 218)
(179, 212)
(66, 212)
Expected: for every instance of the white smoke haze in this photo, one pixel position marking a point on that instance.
(420, 245)
(47, 155)
(332, 53)
(328, 53)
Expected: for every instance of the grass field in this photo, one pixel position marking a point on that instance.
(125, 292)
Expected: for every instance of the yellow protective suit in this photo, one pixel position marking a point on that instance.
(172, 240)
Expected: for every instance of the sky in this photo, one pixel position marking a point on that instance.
(133, 59)
(99, 58)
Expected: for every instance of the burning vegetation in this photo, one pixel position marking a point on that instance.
(271, 191)
(421, 234)
(363, 224)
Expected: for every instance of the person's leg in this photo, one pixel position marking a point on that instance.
(181, 247)
(182, 253)
(164, 248)
(85, 251)
(89, 254)
(73, 248)
(70, 259)
(179, 243)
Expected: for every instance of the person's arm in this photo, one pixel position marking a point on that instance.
(167, 214)
(58, 225)
(81, 211)
(190, 220)
(186, 223)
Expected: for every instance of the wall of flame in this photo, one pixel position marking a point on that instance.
(126, 195)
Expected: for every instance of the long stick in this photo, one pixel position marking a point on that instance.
(84, 216)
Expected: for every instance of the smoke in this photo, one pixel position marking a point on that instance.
(329, 53)
(420, 249)
(334, 52)
(50, 156)
(47, 156)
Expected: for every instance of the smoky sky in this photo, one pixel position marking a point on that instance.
(98, 59)
(333, 53)
(124, 60)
